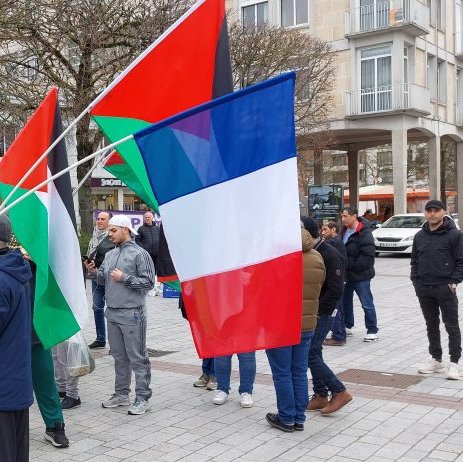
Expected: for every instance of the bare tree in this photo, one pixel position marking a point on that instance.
(79, 46)
(264, 51)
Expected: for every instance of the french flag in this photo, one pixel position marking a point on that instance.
(225, 176)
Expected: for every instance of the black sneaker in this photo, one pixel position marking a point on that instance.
(62, 394)
(275, 422)
(70, 403)
(97, 345)
(56, 436)
(299, 427)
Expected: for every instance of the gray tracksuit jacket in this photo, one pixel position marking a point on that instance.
(137, 279)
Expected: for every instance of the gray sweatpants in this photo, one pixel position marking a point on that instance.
(127, 341)
(65, 383)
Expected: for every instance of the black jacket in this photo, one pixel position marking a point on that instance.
(333, 286)
(148, 238)
(337, 243)
(360, 249)
(102, 249)
(437, 256)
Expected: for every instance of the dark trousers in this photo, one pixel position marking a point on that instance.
(14, 436)
(434, 300)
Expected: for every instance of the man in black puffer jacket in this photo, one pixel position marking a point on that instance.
(360, 248)
(148, 236)
(436, 269)
(324, 380)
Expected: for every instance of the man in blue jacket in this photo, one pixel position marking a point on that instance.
(15, 346)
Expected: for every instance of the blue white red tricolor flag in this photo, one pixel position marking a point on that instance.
(225, 177)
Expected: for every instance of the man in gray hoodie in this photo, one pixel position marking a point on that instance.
(127, 273)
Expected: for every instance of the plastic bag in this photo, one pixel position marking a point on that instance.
(79, 359)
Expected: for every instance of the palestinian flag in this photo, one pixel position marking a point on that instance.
(117, 166)
(186, 66)
(45, 224)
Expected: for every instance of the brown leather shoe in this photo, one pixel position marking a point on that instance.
(337, 401)
(317, 402)
(333, 342)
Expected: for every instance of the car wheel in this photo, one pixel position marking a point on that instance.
(376, 254)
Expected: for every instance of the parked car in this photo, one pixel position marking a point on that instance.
(396, 234)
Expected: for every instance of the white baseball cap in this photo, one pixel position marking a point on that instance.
(123, 221)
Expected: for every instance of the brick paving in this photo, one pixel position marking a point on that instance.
(384, 423)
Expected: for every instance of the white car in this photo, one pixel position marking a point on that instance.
(396, 234)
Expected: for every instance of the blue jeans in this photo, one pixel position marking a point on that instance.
(289, 372)
(362, 289)
(208, 366)
(323, 378)
(338, 328)
(98, 311)
(222, 366)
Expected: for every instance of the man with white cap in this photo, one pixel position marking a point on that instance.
(128, 274)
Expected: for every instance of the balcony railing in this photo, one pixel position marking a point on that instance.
(410, 14)
(407, 97)
(459, 113)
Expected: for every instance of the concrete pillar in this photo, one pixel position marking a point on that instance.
(434, 167)
(353, 170)
(399, 169)
(460, 180)
(120, 199)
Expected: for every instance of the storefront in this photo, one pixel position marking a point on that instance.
(113, 194)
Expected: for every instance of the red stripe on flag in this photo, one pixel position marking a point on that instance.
(248, 309)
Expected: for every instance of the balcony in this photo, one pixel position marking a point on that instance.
(459, 113)
(411, 16)
(386, 100)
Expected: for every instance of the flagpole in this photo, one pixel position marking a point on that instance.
(193, 8)
(62, 172)
(95, 164)
(43, 156)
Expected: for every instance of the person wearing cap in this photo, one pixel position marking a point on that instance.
(15, 346)
(436, 269)
(127, 273)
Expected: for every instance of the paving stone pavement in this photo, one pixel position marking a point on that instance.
(423, 422)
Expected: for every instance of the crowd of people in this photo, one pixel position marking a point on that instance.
(338, 262)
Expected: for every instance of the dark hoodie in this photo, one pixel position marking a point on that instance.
(437, 256)
(15, 332)
(360, 249)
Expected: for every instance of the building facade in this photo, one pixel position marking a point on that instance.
(399, 79)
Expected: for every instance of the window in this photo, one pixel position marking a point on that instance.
(431, 76)
(339, 177)
(32, 68)
(294, 12)
(254, 15)
(386, 175)
(374, 14)
(376, 79)
(441, 82)
(384, 158)
(459, 83)
(440, 14)
(339, 160)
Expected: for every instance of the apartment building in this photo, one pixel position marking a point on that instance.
(400, 77)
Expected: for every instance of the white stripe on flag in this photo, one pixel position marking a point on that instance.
(248, 220)
(64, 257)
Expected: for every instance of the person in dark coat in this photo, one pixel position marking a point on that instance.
(15, 347)
(436, 269)
(148, 236)
(330, 233)
(325, 382)
(360, 248)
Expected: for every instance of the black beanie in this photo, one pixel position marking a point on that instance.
(311, 226)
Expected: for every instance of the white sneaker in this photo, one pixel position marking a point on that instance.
(431, 366)
(220, 397)
(139, 407)
(349, 332)
(246, 400)
(452, 372)
(115, 401)
(371, 338)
